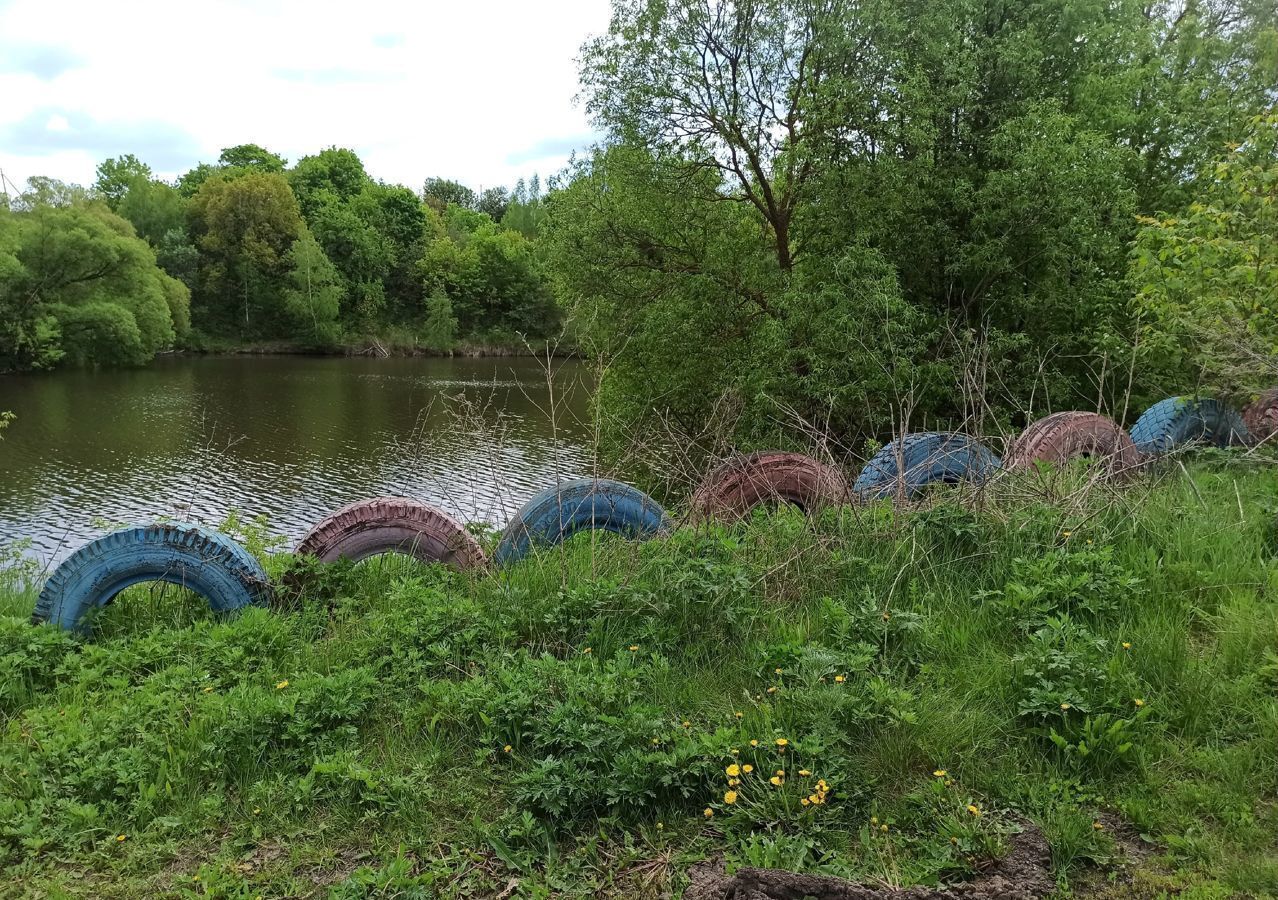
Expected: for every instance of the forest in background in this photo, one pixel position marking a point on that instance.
(843, 216)
(251, 250)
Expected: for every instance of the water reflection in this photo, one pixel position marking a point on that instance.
(291, 437)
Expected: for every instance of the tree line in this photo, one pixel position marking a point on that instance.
(858, 214)
(250, 249)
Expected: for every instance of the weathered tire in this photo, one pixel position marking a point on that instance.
(1261, 416)
(393, 525)
(210, 564)
(587, 504)
(1063, 436)
(1177, 421)
(917, 460)
(739, 484)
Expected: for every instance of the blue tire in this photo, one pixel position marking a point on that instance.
(917, 460)
(1177, 421)
(587, 504)
(210, 564)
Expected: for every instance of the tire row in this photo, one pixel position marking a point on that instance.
(230, 578)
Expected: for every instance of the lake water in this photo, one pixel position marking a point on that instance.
(194, 438)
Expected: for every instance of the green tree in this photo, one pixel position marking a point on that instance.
(243, 227)
(313, 296)
(440, 193)
(117, 175)
(494, 202)
(252, 157)
(1206, 279)
(440, 328)
(154, 208)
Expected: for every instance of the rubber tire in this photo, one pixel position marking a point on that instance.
(1177, 421)
(1063, 436)
(393, 525)
(742, 482)
(929, 457)
(1261, 416)
(586, 504)
(210, 564)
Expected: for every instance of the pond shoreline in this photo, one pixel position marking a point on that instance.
(377, 348)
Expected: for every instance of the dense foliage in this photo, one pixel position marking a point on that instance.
(857, 213)
(250, 250)
(879, 694)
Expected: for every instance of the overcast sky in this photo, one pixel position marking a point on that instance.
(479, 91)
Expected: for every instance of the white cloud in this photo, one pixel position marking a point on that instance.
(480, 92)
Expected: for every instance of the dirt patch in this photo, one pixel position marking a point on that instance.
(1023, 874)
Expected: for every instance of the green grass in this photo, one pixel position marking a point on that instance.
(354, 744)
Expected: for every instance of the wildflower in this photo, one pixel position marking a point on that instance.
(953, 840)
(804, 772)
(772, 690)
(1099, 826)
(634, 648)
(949, 782)
(805, 801)
(940, 773)
(656, 741)
(1089, 541)
(1066, 706)
(687, 724)
(257, 810)
(1139, 702)
(1066, 533)
(734, 751)
(814, 799)
(781, 742)
(780, 771)
(974, 809)
(874, 820)
(730, 797)
(739, 715)
(754, 743)
(886, 616)
(208, 689)
(661, 826)
(777, 780)
(121, 837)
(778, 671)
(747, 768)
(1127, 645)
(587, 650)
(838, 679)
(506, 749)
(883, 828)
(733, 770)
(708, 813)
(283, 684)
(733, 782)
(822, 786)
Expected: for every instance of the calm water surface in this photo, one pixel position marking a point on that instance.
(289, 437)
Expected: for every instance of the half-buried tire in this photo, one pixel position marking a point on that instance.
(1063, 436)
(586, 504)
(909, 464)
(1261, 416)
(739, 484)
(208, 563)
(393, 525)
(1177, 421)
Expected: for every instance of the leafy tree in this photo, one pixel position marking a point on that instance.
(252, 157)
(243, 227)
(494, 202)
(440, 193)
(117, 175)
(154, 208)
(440, 328)
(525, 211)
(314, 292)
(334, 173)
(1206, 279)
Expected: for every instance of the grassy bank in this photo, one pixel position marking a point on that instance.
(388, 343)
(1101, 668)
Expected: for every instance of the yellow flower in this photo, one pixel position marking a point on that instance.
(777, 780)
(780, 771)
(772, 690)
(656, 741)
(506, 749)
(822, 786)
(587, 650)
(974, 809)
(730, 797)
(874, 820)
(208, 689)
(660, 826)
(778, 671)
(1066, 706)
(739, 714)
(634, 648)
(838, 679)
(940, 773)
(733, 770)
(257, 810)
(734, 751)
(813, 798)
(883, 828)
(708, 813)
(747, 768)
(1127, 645)
(805, 801)
(121, 837)
(1067, 533)
(781, 742)
(687, 724)
(804, 772)
(1098, 826)
(283, 684)
(953, 840)
(733, 782)
(1139, 702)
(754, 743)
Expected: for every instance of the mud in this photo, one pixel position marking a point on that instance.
(1023, 874)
